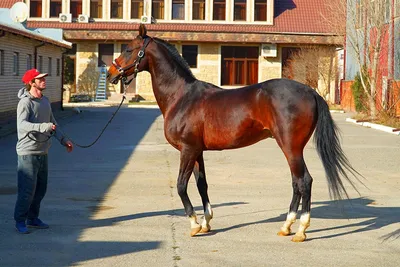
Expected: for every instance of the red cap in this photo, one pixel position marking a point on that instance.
(32, 74)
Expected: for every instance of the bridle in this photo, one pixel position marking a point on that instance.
(135, 64)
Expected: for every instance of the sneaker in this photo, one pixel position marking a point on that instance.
(37, 223)
(21, 228)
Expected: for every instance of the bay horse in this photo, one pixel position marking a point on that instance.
(200, 116)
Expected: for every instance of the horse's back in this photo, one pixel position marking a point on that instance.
(233, 118)
(247, 115)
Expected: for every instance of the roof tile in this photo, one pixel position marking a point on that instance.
(291, 16)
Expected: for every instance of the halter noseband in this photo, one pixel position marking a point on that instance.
(135, 64)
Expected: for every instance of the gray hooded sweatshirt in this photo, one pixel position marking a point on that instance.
(35, 114)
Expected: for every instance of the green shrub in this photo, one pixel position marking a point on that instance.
(360, 97)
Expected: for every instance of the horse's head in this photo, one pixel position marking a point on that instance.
(131, 61)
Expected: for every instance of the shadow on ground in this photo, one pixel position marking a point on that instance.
(373, 217)
(77, 181)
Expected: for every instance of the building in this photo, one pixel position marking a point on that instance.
(229, 43)
(22, 49)
(363, 25)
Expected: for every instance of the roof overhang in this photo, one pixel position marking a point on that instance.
(207, 37)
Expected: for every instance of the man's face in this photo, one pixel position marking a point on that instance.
(40, 83)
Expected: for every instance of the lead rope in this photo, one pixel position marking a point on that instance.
(126, 85)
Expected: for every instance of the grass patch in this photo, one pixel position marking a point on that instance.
(382, 119)
(334, 107)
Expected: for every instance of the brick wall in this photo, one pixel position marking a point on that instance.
(10, 83)
(346, 97)
(394, 98)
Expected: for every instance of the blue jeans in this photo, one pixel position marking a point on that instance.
(32, 174)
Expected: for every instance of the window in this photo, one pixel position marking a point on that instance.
(49, 66)
(239, 65)
(199, 9)
(58, 70)
(76, 8)
(240, 10)
(116, 9)
(136, 9)
(260, 10)
(1, 62)
(16, 63)
(189, 53)
(96, 9)
(28, 62)
(219, 10)
(40, 64)
(157, 9)
(178, 9)
(35, 9)
(106, 53)
(55, 8)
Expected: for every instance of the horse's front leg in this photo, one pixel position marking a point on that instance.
(200, 175)
(188, 159)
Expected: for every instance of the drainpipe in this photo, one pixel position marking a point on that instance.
(62, 78)
(393, 43)
(35, 54)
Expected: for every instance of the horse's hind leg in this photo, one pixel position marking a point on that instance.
(294, 206)
(292, 144)
(305, 189)
(301, 182)
(188, 158)
(200, 175)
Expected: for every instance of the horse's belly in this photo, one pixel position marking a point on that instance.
(235, 139)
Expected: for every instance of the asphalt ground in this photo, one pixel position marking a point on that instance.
(116, 203)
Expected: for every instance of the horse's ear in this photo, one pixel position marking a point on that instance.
(142, 30)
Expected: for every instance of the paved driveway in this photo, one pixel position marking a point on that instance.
(116, 204)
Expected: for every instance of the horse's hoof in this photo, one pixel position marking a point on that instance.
(298, 238)
(195, 230)
(283, 233)
(205, 229)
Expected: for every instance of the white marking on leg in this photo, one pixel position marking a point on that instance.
(290, 219)
(194, 225)
(208, 215)
(304, 223)
(193, 221)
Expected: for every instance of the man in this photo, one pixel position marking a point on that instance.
(35, 126)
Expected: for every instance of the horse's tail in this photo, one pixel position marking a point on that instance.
(326, 138)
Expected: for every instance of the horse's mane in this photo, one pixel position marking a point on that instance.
(175, 56)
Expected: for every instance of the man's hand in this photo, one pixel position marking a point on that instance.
(53, 127)
(69, 146)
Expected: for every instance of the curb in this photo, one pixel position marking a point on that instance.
(375, 126)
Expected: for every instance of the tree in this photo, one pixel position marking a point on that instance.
(88, 80)
(69, 71)
(366, 31)
(315, 66)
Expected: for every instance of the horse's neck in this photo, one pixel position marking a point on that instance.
(167, 84)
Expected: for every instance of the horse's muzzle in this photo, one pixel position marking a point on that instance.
(113, 80)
